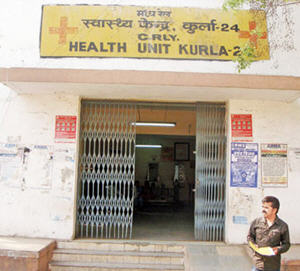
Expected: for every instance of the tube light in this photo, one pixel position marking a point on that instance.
(148, 146)
(157, 124)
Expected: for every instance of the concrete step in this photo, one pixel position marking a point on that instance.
(87, 266)
(290, 265)
(143, 257)
(121, 246)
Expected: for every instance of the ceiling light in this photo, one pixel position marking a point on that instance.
(157, 124)
(148, 146)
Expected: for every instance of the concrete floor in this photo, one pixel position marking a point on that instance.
(164, 224)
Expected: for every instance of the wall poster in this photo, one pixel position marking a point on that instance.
(65, 129)
(244, 164)
(241, 127)
(274, 166)
(11, 160)
(38, 166)
(294, 159)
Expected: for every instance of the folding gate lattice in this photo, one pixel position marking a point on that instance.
(106, 170)
(210, 172)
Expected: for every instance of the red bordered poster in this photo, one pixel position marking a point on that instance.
(65, 128)
(241, 127)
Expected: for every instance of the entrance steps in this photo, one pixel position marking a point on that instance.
(121, 256)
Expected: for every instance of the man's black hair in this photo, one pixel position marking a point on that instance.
(273, 200)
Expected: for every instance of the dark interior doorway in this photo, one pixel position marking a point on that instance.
(165, 176)
(164, 188)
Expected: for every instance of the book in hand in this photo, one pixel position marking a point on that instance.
(265, 251)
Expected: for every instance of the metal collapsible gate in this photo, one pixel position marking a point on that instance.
(106, 170)
(210, 172)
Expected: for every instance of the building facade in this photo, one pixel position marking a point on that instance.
(49, 91)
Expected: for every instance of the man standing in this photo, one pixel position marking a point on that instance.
(269, 231)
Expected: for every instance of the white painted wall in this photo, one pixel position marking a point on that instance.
(273, 122)
(20, 23)
(31, 208)
(37, 199)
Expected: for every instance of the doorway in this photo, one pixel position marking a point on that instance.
(171, 192)
(165, 172)
(164, 202)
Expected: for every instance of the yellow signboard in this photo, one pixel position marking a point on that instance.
(150, 32)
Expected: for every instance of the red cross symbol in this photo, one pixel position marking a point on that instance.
(252, 36)
(63, 30)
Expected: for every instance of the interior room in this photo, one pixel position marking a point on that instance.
(164, 172)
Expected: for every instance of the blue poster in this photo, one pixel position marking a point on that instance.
(244, 164)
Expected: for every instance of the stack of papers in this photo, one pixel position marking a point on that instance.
(265, 251)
